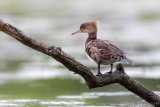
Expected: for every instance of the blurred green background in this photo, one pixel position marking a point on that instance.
(31, 79)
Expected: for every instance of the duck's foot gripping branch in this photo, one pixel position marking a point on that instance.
(119, 76)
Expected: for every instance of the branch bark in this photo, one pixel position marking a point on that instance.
(119, 76)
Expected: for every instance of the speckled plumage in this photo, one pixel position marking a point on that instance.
(105, 52)
(101, 51)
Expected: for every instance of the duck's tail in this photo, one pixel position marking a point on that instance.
(128, 61)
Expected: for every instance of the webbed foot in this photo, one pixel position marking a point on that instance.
(99, 74)
(109, 72)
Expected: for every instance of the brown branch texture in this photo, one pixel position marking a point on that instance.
(119, 76)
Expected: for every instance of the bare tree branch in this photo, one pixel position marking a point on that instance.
(119, 76)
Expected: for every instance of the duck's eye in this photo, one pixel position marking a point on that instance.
(89, 28)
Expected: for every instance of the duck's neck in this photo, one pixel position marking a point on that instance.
(92, 36)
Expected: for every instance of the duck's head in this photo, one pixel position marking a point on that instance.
(88, 27)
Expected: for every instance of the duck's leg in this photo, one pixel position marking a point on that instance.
(99, 73)
(111, 68)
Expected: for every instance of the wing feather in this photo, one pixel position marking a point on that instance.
(109, 51)
(106, 52)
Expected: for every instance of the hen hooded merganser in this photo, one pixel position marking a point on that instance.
(101, 51)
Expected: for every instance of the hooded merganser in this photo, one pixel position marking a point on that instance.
(101, 51)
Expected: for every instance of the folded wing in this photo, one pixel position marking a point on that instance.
(109, 52)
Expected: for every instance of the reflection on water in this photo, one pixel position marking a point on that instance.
(29, 78)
